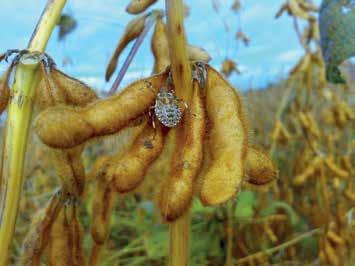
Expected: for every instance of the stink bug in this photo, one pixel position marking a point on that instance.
(166, 108)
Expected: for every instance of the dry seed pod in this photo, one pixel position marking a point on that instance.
(313, 126)
(294, 8)
(280, 134)
(345, 162)
(348, 111)
(197, 54)
(243, 37)
(309, 171)
(349, 193)
(308, 6)
(176, 193)
(309, 124)
(65, 127)
(4, 89)
(259, 168)
(229, 66)
(335, 169)
(159, 170)
(160, 47)
(139, 6)
(125, 138)
(101, 211)
(65, 238)
(70, 169)
(47, 92)
(58, 88)
(38, 235)
(270, 233)
(132, 31)
(302, 65)
(236, 6)
(335, 238)
(127, 169)
(76, 92)
(331, 254)
(228, 141)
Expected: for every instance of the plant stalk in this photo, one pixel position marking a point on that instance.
(181, 72)
(17, 128)
(179, 241)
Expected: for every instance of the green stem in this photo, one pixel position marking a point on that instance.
(17, 128)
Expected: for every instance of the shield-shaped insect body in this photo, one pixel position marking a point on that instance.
(166, 108)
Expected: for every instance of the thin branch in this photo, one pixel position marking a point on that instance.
(279, 247)
(148, 24)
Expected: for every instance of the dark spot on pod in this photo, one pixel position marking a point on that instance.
(181, 68)
(179, 29)
(148, 144)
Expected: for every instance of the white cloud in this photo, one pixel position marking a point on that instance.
(258, 11)
(289, 56)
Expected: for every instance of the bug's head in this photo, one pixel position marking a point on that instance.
(165, 96)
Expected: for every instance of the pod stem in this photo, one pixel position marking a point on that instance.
(17, 128)
(180, 65)
(230, 228)
(181, 72)
(179, 241)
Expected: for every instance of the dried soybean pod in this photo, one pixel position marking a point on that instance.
(349, 192)
(37, 238)
(160, 47)
(127, 169)
(58, 247)
(176, 193)
(335, 238)
(65, 238)
(101, 211)
(159, 170)
(132, 31)
(65, 127)
(70, 169)
(126, 138)
(280, 134)
(4, 89)
(228, 141)
(313, 126)
(77, 233)
(331, 254)
(259, 168)
(139, 6)
(335, 169)
(58, 88)
(310, 170)
(197, 54)
(47, 92)
(76, 92)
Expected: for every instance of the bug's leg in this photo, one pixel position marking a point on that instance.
(17, 58)
(48, 61)
(152, 116)
(184, 103)
(149, 85)
(5, 56)
(199, 73)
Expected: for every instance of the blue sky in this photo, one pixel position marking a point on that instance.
(272, 51)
